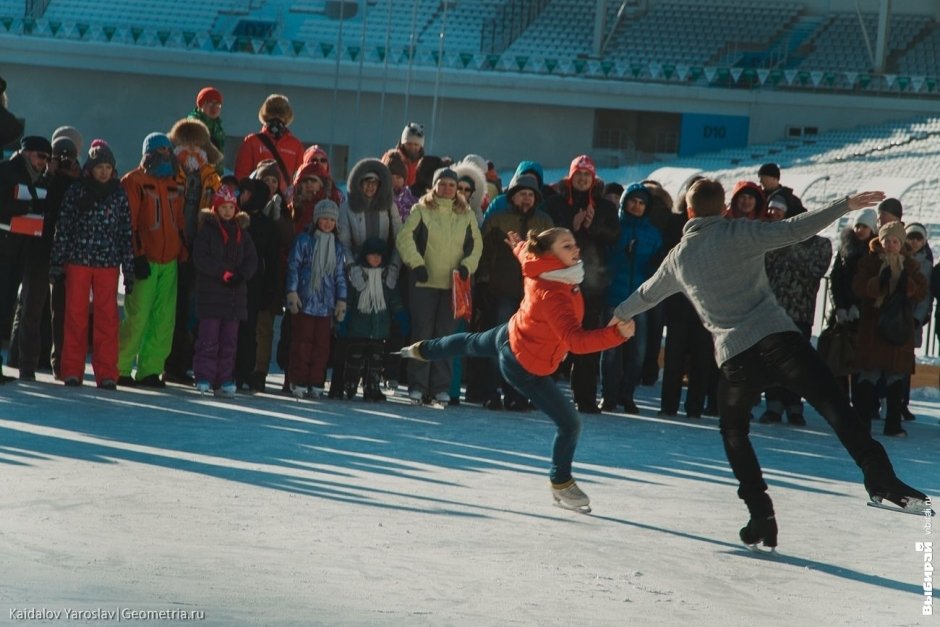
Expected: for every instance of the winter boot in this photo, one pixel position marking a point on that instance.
(355, 361)
(762, 527)
(893, 394)
(373, 384)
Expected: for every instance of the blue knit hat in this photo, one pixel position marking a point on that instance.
(636, 190)
(155, 141)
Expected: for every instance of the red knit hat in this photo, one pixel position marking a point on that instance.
(208, 94)
(582, 162)
(225, 195)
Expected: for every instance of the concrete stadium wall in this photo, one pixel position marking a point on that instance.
(123, 92)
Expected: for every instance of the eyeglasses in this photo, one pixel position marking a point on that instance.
(370, 181)
(464, 189)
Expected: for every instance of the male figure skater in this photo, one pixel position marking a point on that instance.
(758, 345)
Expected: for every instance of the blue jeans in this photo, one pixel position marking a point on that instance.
(542, 390)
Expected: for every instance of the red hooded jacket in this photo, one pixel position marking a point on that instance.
(547, 325)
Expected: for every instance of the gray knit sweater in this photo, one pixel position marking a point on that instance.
(719, 266)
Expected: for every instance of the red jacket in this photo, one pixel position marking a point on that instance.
(253, 151)
(547, 325)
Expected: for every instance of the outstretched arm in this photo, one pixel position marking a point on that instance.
(798, 228)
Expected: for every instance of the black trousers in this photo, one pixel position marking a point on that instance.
(786, 359)
(585, 369)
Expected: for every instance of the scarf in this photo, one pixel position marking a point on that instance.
(896, 264)
(191, 160)
(276, 128)
(572, 275)
(324, 259)
(95, 192)
(159, 165)
(372, 298)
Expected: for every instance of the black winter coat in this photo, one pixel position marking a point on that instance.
(13, 174)
(214, 254)
(593, 240)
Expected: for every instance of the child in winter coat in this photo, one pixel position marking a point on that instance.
(536, 339)
(316, 293)
(372, 306)
(92, 239)
(225, 258)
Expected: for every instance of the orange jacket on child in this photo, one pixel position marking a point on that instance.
(156, 216)
(547, 325)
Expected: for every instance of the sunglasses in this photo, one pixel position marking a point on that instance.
(318, 160)
(915, 236)
(461, 188)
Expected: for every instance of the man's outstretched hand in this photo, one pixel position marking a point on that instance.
(863, 200)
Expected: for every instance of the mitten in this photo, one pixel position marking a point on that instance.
(340, 310)
(463, 272)
(141, 268)
(421, 274)
(842, 316)
(357, 277)
(128, 286)
(293, 302)
(854, 314)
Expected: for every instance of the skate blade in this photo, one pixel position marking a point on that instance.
(917, 507)
(581, 509)
(763, 550)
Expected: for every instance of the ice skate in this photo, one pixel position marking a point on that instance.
(760, 531)
(226, 390)
(411, 352)
(298, 391)
(895, 495)
(569, 496)
(416, 397)
(203, 387)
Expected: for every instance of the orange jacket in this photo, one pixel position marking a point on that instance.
(548, 323)
(156, 216)
(253, 151)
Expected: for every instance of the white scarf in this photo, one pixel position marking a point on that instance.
(573, 275)
(324, 259)
(372, 298)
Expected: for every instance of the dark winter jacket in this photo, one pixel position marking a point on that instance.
(10, 127)
(373, 325)
(499, 267)
(220, 247)
(794, 273)
(872, 352)
(264, 288)
(594, 240)
(534, 167)
(19, 195)
(40, 248)
(94, 227)
(634, 256)
(851, 250)
(794, 204)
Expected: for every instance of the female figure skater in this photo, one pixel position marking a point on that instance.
(536, 339)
